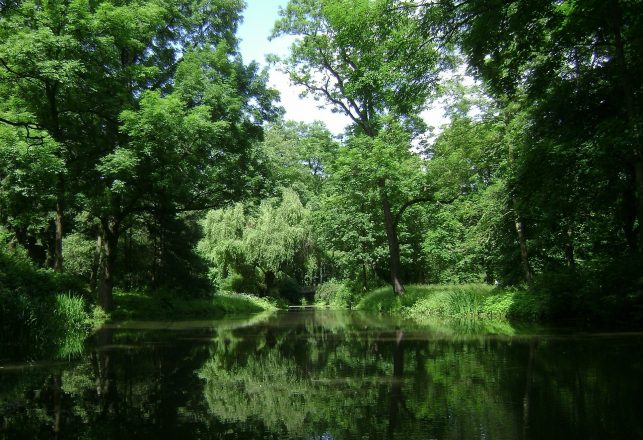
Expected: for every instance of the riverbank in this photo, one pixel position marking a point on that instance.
(468, 301)
(48, 314)
(547, 303)
(159, 306)
(42, 311)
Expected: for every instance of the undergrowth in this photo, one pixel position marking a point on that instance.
(161, 306)
(471, 301)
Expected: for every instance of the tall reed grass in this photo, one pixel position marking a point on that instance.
(471, 301)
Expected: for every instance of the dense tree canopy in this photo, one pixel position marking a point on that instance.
(369, 60)
(146, 106)
(136, 144)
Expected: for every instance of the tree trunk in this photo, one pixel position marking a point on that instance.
(524, 256)
(58, 246)
(396, 384)
(51, 91)
(629, 212)
(569, 249)
(631, 112)
(110, 243)
(638, 168)
(97, 264)
(393, 244)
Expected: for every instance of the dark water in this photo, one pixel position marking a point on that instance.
(329, 375)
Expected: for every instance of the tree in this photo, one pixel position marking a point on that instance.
(368, 60)
(350, 211)
(298, 156)
(276, 239)
(579, 70)
(152, 107)
(41, 63)
(29, 168)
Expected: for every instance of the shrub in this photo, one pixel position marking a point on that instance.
(78, 253)
(333, 293)
(70, 311)
(38, 306)
(470, 301)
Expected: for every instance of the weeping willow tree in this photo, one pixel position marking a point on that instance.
(248, 248)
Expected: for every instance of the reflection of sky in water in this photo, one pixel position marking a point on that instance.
(329, 375)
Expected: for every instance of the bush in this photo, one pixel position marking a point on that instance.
(334, 293)
(245, 280)
(471, 301)
(70, 310)
(39, 307)
(78, 254)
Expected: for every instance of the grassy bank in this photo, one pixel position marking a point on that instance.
(477, 301)
(160, 306)
(42, 312)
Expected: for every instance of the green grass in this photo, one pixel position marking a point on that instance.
(71, 311)
(144, 306)
(470, 301)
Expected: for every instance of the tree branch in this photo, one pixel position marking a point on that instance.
(408, 204)
(340, 84)
(331, 98)
(27, 125)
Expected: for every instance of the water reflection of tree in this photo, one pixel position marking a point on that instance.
(349, 383)
(334, 376)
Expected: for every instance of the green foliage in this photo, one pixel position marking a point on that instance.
(164, 305)
(124, 121)
(275, 240)
(468, 301)
(571, 162)
(117, 114)
(335, 294)
(299, 156)
(42, 311)
(28, 177)
(70, 310)
(349, 215)
(365, 58)
(280, 235)
(78, 253)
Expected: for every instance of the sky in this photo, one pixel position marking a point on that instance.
(259, 18)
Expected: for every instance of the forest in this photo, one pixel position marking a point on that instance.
(147, 169)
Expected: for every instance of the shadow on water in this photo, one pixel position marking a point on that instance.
(329, 375)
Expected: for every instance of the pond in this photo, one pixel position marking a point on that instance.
(329, 375)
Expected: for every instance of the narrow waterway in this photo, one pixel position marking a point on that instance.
(329, 375)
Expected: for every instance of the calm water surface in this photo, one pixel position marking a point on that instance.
(329, 375)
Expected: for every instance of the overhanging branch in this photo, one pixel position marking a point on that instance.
(408, 204)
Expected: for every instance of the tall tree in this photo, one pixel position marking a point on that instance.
(149, 100)
(368, 60)
(579, 68)
(277, 240)
(298, 156)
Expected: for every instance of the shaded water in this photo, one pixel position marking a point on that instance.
(329, 375)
